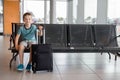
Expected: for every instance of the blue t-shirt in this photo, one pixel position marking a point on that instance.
(28, 34)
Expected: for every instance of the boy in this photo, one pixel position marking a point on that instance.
(28, 32)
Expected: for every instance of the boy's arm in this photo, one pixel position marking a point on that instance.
(16, 41)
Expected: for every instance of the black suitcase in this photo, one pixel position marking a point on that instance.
(42, 58)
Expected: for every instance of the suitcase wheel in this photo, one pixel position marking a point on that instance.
(34, 71)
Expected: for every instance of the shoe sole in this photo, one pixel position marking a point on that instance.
(20, 69)
(28, 69)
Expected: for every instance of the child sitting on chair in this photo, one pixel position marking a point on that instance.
(28, 33)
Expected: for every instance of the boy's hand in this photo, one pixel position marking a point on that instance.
(40, 27)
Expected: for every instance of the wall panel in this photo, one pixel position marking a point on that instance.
(11, 14)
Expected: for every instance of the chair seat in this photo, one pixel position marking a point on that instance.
(13, 50)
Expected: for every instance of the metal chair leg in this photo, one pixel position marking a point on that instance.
(101, 53)
(13, 58)
(109, 55)
(116, 54)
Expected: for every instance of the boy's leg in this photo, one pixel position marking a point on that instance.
(22, 45)
(21, 50)
(30, 58)
(28, 68)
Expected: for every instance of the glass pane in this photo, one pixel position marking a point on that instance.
(36, 8)
(47, 11)
(114, 11)
(75, 4)
(61, 11)
(90, 11)
(1, 16)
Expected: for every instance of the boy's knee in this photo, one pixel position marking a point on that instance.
(21, 48)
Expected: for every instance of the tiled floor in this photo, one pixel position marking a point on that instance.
(67, 66)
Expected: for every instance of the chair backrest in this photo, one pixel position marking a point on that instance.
(15, 28)
(55, 34)
(105, 35)
(76, 35)
(81, 35)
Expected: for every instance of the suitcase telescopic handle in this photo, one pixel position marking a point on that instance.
(38, 34)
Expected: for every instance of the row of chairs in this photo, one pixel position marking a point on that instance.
(75, 38)
(76, 35)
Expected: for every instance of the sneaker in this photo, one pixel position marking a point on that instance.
(28, 67)
(20, 67)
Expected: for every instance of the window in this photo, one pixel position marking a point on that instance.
(61, 11)
(90, 11)
(114, 11)
(1, 16)
(36, 8)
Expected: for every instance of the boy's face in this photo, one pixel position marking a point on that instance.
(27, 20)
